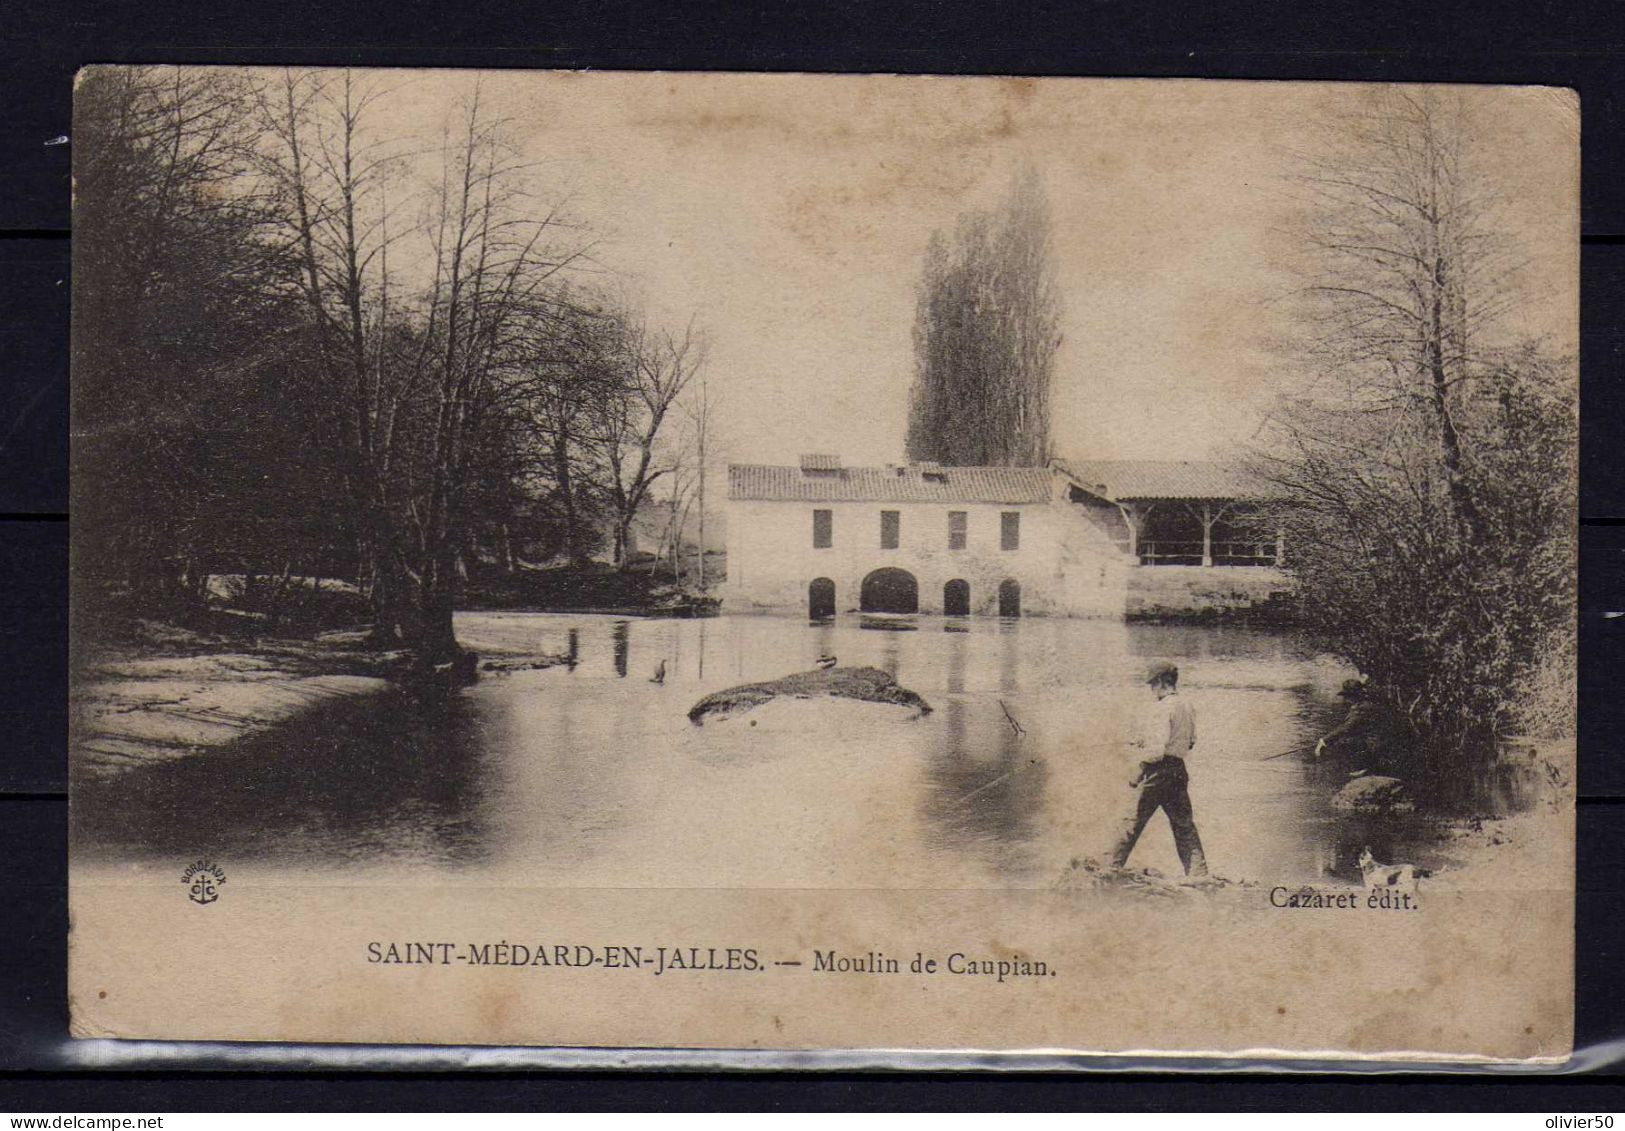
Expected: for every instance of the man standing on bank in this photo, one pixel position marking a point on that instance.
(1168, 736)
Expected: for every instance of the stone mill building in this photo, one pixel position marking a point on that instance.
(823, 539)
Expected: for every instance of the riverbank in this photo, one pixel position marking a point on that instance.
(1520, 850)
(165, 692)
(182, 694)
(1204, 594)
(644, 589)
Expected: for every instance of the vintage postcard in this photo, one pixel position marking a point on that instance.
(700, 561)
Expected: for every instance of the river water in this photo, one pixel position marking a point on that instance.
(589, 774)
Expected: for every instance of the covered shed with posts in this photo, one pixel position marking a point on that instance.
(1177, 512)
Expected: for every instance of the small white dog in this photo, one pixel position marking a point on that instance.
(1400, 876)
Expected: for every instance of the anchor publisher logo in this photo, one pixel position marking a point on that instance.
(203, 880)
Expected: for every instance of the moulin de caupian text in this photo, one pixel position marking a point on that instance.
(699, 959)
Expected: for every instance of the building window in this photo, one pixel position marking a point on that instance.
(1009, 530)
(956, 530)
(891, 525)
(823, 529)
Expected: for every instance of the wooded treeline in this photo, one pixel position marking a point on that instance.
(308, 340)
(1427, 451)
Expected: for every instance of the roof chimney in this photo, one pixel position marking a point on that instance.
(816, 464)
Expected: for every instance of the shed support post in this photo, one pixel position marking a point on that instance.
(1132, 523)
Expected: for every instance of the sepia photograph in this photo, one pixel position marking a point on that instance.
(818, 562)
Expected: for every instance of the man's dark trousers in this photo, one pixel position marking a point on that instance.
(1163, 786)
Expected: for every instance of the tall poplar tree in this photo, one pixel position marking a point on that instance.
(985, 334)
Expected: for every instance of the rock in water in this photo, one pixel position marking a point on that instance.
(1374, 793)
(868, 684)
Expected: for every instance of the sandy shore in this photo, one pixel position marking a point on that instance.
(137, 710)
(1526, 850)
(179, 694)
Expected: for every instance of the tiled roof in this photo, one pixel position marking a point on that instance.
(1165, 479)
(1115, 479)
(886, 485)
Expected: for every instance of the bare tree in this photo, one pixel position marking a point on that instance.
(1409, 267)
(655, 367)
(700, 413)
(494, 262)
(693, 449)
(985, 336)
(312, 341)
(681, 488)
(331, 174)
(571, 355)
(416, 370)
(1426, 454)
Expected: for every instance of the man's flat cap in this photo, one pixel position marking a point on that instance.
(1161, 671)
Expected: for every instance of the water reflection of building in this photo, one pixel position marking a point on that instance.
(1065, 539)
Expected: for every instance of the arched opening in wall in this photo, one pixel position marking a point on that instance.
(889, 590)
(1009, 598)
(821, 599)
(956, 598)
